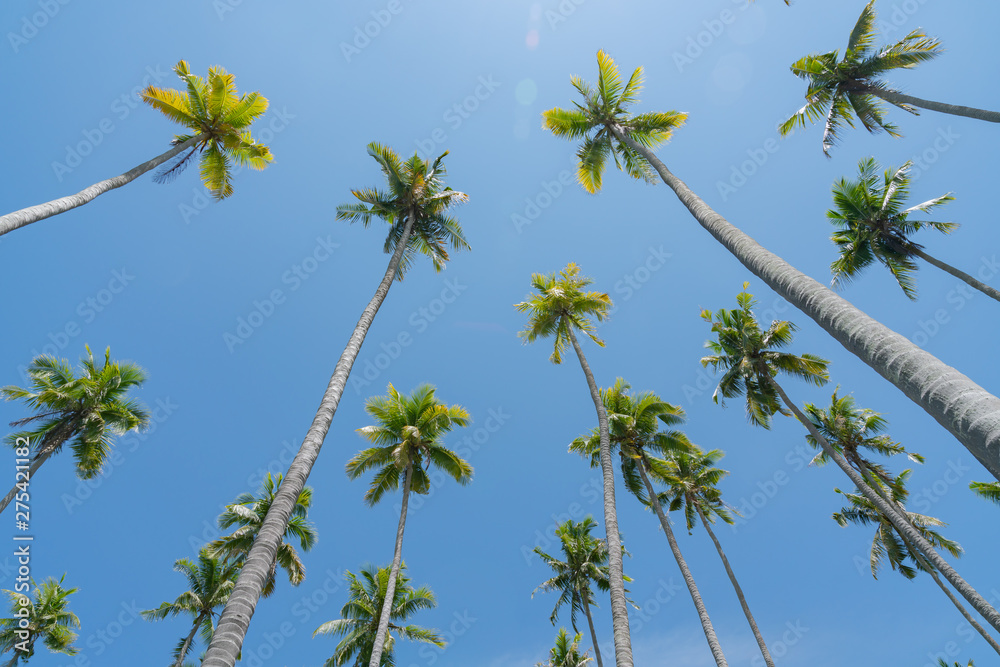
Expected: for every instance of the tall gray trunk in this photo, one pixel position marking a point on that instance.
(236, 615)
(49, 447)
(897, 98)
(901, 524)
(593, 635)
(961, 275)
(616, 580)
(699, 605)
(968, 411)
(965, 612)
(26, 216)
(188, 640)
(390, 586)
(739, 591)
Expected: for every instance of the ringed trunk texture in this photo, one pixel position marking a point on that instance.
(699, 605)
(900, 523)
(26, 216)
(390, 586)
(961, 275)
(235, 618)
(739, 592)
(616, 580)
(965, 612)
(896, 97)
(593, 635)
(968, 411)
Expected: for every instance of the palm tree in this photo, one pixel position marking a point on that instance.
(558, 309)
(47, 619)
(964, 408)
(872, 225)
(85, 410)
(220, 125)
(210, 582)
(634, 429)
(415, 206)
(987, 490)
(751, 361)
(361, 614)
(407, 440)
(889, 545)
(842, 89)
(692, 479)
(248, 512)
(586, 562)
(566, 653)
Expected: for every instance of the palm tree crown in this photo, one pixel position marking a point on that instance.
(48, 619)
(566, 652)
(692, 480)
(586, 563)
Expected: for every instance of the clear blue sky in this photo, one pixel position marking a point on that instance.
(162, 275)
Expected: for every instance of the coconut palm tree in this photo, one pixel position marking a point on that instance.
(751, 360)
(560, 307)
(407, 439)
(210, 581)
(416, 208)
(566, 653)
(220, 131)
(586, 562)
(248, 512)
(964, 408)
(872, 225)
(86, 410)
(692, 480)
(987, 490)
(843, 89)
(48, 619)
(361, 614)
(634, 430)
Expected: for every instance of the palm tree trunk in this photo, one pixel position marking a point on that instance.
(898, 98)
(26, 216)
(236, 615)
(699, 605)
(50, 446)
(967, 410)
(961, 275)
(390, 586)
(188, 640)
(902, 525)
(739, 592)
(593, 635)
(965, 612)
(616, 580)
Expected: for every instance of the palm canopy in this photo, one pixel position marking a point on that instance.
(987, 490)
(408, 435)
(872, 224)
(360, 615)
(604, 111)
(415, 190)
(220, 121)
(841, 90)
(566, 652)
(48, 619)
(248, 512)
(751, 359)
(692, 480)
(561, 304)
(87, 410)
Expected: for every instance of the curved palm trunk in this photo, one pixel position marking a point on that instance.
(739, 591)
(236, 615)
(188, 640)
(901, 524)
(965, 612)
(59, 436)
(896, 97)
(699, 605)
(593, 635)
(390, 586)
(26, 216)
(968, 411)
(616, 580)
(961, 275)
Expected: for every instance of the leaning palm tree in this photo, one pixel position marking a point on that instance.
(415, 206)
(634, 430)
(558, 309)
(361, 613)
(87, 411)
(219, 123)
(872, 225)
(566, 652)
(964, 408)
(692, 480)
(843, 89)
(988, 490)
(47, 619)
(407, 441)
(751, 359)
(210, 582)
(248, 512)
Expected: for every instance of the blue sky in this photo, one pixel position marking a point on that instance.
(162, 275)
